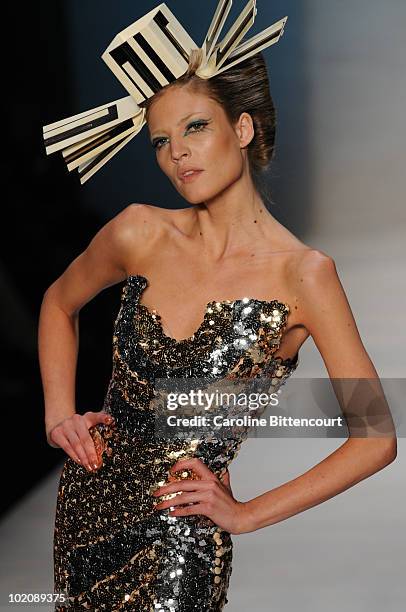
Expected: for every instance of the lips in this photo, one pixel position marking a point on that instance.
(188, 173)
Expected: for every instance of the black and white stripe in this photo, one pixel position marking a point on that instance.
(83, 127)
(236, 33)
(216, 26)
(101, 142)
(254, 45)
(87, 123)
(154, 53)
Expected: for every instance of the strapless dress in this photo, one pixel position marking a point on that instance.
(112, 550)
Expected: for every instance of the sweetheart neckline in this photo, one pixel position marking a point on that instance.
(154, 313)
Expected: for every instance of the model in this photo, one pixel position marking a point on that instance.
(218, 290)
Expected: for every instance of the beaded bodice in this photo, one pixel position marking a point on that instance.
(235, 339)
(239, 335)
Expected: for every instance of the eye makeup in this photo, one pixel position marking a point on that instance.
(197, 125)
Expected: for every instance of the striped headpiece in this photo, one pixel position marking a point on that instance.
(147, 55)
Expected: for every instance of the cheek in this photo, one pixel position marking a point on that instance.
(163, 165)
(223, 166)
(223, 157)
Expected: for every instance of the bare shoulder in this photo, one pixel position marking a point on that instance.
(139, 219)
(310, 271)
(124, 225)
(307, 272)
(133, 232)
(178, 218)
(313, 265)
(148, 226)
(155, 226)
(318, 288)
(149, 219)
(104, 261)
(122, 234)
(139, 226)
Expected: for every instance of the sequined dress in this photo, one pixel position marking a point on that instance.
(112, 550)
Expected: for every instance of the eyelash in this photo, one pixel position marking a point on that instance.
(201, 125)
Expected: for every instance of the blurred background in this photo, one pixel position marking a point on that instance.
(338, 182)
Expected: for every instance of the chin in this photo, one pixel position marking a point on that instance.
(195, 199)
(198, 196)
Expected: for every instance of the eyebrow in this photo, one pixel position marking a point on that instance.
(184, 119)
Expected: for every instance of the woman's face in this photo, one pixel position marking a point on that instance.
(191, 131)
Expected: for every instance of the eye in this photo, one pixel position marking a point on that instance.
(157, 143)
(194, 126)
(197, 126)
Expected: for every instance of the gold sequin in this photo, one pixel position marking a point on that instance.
(112, 550)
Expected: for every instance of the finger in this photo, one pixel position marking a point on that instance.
(72, 454)
(75, 452)
(183, 498)
(195, 464)
(59, 438)
(87, 442)
(189, 510)
(182, 485)
(94, 418)
(225, 479)
(105, 417)
(74, 440)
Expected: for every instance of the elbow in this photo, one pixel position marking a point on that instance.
(51, 288)
(47, 294)
(394, 451)
(52, 297)
(377, 452)
(389, 451)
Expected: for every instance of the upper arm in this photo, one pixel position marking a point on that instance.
(328, 317)
(102, 263)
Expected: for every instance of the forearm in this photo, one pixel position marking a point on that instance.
(352, 462)
(58, 344)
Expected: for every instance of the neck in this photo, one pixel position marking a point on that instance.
(232, 221)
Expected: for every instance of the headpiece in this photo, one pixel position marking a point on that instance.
(152, 52)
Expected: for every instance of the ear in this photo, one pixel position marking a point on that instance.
(245, 129)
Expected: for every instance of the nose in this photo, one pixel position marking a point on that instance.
(178, 149)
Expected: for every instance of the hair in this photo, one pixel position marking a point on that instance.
(242, 88)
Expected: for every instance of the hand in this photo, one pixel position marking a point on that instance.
(72, 435)
(210, 496)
